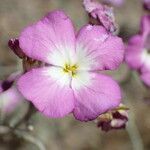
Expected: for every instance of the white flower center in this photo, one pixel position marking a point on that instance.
(145, 57)
(72, 67)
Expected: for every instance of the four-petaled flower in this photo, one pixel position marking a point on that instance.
(138, 51)
(70, 82)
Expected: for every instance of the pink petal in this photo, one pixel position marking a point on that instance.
(14, 76)
(1, 89)
(145, 26)
(53, 99)
(100, 96)
(10, 99)
(54, 32)
(104, 49)
(91, 5)
(134, 51)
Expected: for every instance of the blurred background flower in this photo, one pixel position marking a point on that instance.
(138, 51)
(10, 97)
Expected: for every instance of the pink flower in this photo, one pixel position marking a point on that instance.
(117, 3)
(10, 97)
(138, 51)
(70, 82)
(102, 14)
(146, 4)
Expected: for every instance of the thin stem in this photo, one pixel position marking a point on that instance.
(132, 128)
(134, 133)
(4, 129)
(26, 117)
(28, 137)
(2, 113)
(126, 76)
(22, 134)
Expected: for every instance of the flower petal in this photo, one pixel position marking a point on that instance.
(1, 88)
(53, 33)
(103, 50)
(91, 5)
(145, 26)
(49, 90)
(100, 95)
(10, 99)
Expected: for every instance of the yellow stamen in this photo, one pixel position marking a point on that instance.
(70, 69)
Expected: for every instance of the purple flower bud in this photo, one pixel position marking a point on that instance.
(115, 119)
(146, 4)
(14, 46)
(6, 85)
(100, 14)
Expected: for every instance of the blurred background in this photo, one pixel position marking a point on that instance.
(67, 133)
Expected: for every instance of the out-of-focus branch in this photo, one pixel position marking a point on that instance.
(28, 137)
(26, 117)
(132, 128)
(22, 134)
(125, 77)
(133, 131)
(4, 129)
(2, 114)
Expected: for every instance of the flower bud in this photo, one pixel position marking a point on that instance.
(114, 119)
(100, 14)
(146, 4)
(14, 46)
